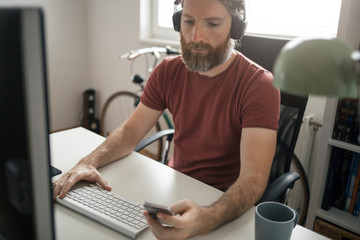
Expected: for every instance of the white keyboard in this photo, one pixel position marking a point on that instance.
(107, 208)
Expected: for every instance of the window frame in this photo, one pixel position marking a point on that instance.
(152, 33)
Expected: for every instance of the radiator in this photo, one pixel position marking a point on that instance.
(305, 141)
(303, 150)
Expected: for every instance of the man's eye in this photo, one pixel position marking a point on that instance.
(213, 24)
(189, 22)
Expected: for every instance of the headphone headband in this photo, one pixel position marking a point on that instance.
(238, 25)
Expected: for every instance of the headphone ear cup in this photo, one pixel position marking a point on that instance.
(177, 20)
(238, 27)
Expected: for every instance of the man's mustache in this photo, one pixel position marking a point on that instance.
(200, 45)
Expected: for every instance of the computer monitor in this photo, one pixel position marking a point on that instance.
(26, 210)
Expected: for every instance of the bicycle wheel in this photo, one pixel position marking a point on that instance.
(300, 195)
(117, 109)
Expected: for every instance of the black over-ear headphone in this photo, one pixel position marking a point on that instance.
(238, 25)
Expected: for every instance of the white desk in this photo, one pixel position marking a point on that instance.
(139, 178)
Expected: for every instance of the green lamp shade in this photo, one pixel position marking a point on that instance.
(316, 66)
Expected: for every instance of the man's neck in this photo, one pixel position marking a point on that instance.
(219, 69)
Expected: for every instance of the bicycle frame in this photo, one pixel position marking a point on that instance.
(155, 51)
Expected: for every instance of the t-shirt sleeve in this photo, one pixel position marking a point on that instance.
(152, 96)
(261, 103)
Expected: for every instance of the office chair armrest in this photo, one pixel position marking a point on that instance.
(277, 187)
(146, 141)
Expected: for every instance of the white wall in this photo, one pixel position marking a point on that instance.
(68, 60)
(349, 24)
(66, 50)
(84, 39)
(113, 30)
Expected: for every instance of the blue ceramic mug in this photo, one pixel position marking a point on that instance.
(274, 220)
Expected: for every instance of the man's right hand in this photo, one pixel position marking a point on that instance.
(81, 171)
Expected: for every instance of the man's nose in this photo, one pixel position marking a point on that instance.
(197, 33)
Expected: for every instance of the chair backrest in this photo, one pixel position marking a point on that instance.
(262, 50)
(292, 110)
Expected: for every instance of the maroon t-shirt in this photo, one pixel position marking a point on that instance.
(210, 112)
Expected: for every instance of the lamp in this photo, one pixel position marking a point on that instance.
(329, 67)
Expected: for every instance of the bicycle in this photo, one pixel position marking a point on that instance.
(123, 103)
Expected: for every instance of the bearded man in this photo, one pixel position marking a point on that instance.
(225, 113)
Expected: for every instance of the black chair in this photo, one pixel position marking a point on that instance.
(281, 180)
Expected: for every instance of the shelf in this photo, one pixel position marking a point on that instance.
(340, 218)
(344, 145)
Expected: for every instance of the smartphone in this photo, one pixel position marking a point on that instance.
(153, 209)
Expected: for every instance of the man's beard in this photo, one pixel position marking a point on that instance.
(204, 62)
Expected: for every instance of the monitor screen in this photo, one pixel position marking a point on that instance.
(26, 210)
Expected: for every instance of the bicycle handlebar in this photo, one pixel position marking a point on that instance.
(154, 50)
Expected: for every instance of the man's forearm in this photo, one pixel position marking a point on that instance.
(123, 140)
(242, 195)
(250, 185)
(118, 145)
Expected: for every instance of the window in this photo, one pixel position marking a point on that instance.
(162, 27)
(293, 18)
(276, 18)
